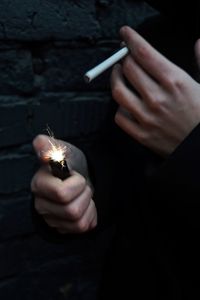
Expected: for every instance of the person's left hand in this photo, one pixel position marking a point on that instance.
(66, 205)
(164, 105)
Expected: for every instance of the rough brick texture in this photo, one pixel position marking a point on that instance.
(45, 48)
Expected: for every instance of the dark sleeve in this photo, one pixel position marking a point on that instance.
(174, 186)
(173, 215)
(174, 31)
(182, 15)
(174, 8)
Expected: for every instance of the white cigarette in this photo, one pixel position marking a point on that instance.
(96, 71)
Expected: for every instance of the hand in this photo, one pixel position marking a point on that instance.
(65, 205)
(162, 104)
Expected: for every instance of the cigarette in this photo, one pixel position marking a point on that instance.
(96, 71)
(59, 169)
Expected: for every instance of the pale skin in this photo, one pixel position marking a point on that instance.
(65, 205)
(164, 106)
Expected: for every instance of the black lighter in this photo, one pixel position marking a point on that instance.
(60, 169)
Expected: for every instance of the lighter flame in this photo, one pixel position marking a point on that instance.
(57, 152)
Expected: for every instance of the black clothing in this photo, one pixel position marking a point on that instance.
(156, 250)
(155, 202)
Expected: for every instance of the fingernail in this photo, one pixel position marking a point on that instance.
(123, 29)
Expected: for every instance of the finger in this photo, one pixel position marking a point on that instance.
(128, 124)
(147, 57)
(125, 97)
(142, 82)
(41, 206)
(42, 144)
(197, 52)
(82, 225)
(47, 186)
(72, 212)
(44, 184)
(77, 208)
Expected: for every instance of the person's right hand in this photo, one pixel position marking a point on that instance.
(161, 104)
(65, 205)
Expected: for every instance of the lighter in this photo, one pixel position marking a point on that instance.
(59, 169)
(56, 157)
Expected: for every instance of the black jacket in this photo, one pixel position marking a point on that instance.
(155, 202)
(156, 250)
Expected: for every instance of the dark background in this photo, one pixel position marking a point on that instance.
(45, 48)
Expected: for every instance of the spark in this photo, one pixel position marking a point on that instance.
(57, 151)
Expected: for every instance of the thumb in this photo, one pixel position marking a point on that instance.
(41, 145)
(45, 146)
(197, 52)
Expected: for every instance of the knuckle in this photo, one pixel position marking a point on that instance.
(175, 82)
(116, 91)
(73, 212)
(143, 52)
(170, 81)
(94, 222)
(93, 207)
(151, 96)
(82, 226)
(154, 103)
(88, 191)
(60, 193)
(82, 181)
(146, 120)
(179, 83)
(157, 102)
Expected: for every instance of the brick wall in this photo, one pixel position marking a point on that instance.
(45, 48)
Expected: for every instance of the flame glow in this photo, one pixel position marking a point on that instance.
(57, 152)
